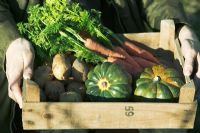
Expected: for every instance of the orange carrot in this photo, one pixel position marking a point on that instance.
(124, 64)
(128, 58)
(135, 50)
(143, 62)
(96, 47)
(84, 34)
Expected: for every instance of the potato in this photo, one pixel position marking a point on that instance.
(42, 74)
(43, 97)
(91, 67)
(70, 96)
(69, 80)
(79, 70)
(53, 89)
(61, 67)
(77, 87)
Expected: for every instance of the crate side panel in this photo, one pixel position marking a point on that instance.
(107, 115)
(149, 39)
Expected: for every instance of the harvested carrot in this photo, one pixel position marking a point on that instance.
(128, 58)
(96, 47)
(143, 62)
(135, 50)
(124, 64)
(84, 34)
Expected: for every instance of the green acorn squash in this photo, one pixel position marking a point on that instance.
(159, 82)
(108, 82)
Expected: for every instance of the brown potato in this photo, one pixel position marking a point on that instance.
(77, 87)
(70, 96)
(53, 89)
(43, 97)
(42, 74)
(79, 70)
(61, 67)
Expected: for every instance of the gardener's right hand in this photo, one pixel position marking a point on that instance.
(19, 64)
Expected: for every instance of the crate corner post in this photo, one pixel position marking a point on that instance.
(31, 91)
(167, 34)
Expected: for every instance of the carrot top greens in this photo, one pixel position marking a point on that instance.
(56, 27)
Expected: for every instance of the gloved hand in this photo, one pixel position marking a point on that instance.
(190, 47)
(19, 62)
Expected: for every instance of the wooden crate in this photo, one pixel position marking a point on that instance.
(118, 115)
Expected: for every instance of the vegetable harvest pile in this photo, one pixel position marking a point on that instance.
(58, 27)
(79, 43)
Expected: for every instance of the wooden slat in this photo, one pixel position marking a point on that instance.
(187, 93)
(107, 115)
(149, 39)
(31, 91)
(167, 34)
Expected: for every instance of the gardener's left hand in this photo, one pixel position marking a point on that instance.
(190, 47)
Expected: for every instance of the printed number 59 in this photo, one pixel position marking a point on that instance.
(129, 111)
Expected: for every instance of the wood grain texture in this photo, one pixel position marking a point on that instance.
(31, 91)
(187, 93)
(149, 39)
(107, 115)
(167, 35)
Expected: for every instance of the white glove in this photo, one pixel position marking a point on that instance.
(19, 62)
(190, 47)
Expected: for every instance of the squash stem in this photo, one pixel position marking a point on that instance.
(103, 84)
(156, 79)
